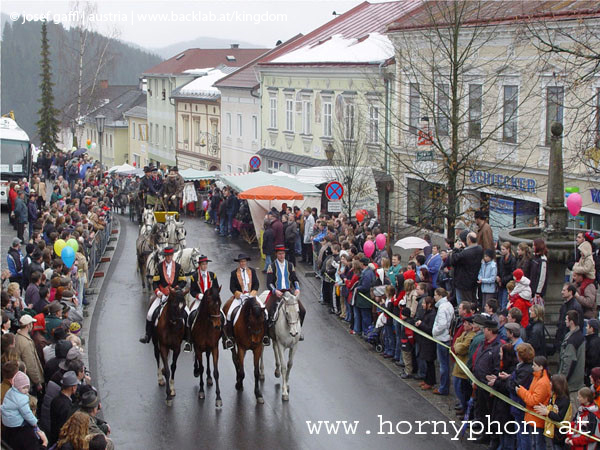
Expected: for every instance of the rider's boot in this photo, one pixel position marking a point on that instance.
(146, 338)
(187, 337)
(227, 333)
(266, 339)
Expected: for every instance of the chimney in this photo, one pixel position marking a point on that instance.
(235, 45)
(103, 84)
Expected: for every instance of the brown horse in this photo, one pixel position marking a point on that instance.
(248, 333)
(167, 337)
(206, 333)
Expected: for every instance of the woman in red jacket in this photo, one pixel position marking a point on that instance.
(12, 198)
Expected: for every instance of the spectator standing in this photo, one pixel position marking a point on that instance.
(14, 261)
(434, 263)
(524, 259)
(309, 223)
(487, 276)
(462, 384)
(539, 270)
(441, 332)
(592, 347)
(536, 335)
(61, 406)
(268, 244)
(362, 307)
(427, 348)
(25, 350)
(572, 353)
(586, 293)
(569, 303)
(558, 409)
(506, 266)
(587, 414)
(520, 296)
(466, 263)
(485, 237)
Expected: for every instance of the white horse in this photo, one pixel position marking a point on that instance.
(286, 336)
(176, 232)
(148, 221)
(187, 258)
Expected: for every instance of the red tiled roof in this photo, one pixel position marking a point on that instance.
(245, 77)
(361, 20)
(196, 58)
(432, 13)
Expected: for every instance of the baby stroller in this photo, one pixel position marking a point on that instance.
(374, 337)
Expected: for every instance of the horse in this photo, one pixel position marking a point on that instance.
(206, 332)
(187, 258)
(121, 201)
(248, 333)
(145, 245)
(286, 335)
(175, 232)
(148, 220)
(167, 336)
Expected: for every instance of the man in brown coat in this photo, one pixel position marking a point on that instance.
(485, 237)
(25, 350)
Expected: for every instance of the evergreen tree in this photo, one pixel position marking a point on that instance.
(48, 123)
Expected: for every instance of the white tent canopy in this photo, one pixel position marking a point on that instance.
(190, 174)
(123, 169)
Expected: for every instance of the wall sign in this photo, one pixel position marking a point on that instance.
(503, 181)
(595, 195)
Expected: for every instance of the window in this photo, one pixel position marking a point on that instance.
(425, 205)
(255, 128)
(186, 129)
(509, 126)
(110, 144)
(327, 122)
(156, 137)
(289, 115)
(349, 121)
(274, 166)
(443, 109)
(164, 136)
(306, 123)
(150, 132)
(554, 108)
(164, 92)
(239, 125)
(143, 132)
(475, 94)
(374, 124)
(414, 108)
(229, 168)
(273, 112)
(133, 130)
(136, 160)
(171, 140)
(228, 123)
(196, 130)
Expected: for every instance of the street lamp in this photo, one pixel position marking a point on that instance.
(100, 119)
(329, 152)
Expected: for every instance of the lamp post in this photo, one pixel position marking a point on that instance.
(73, 137)
(329, 153)
(100, 119)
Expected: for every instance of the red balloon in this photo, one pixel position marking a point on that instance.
(134, 164)
(360, 216)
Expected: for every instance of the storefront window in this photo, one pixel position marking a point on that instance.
(506, 212)
(585, 221)
(425, 205)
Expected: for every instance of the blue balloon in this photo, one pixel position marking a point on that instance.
(68, 256)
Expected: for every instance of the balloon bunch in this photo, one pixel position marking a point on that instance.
(66, 250)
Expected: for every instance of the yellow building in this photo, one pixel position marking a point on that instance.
(138, 136)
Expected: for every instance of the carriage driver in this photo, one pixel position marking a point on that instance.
(201, 282)
(281, 277)
(170, 276)
(243, 283)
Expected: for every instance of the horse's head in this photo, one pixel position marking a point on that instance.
(212, 300)
(255, 320)
(180, 233)
(176, 303)
(291, 309)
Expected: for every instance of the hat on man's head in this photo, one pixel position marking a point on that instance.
(73, 354)
(89, 399)
(280, 248)
(146, 169)
(590, 236)
(480, 319)
(203, 258)
(26, 319)
(514, 328)
(40, 322)
(69, 379)
(174, 169)
(480, 215)
(241, 257)
(54, 307)
(168, 250)
(491, 324)
(16, 241)
(67, 295)
(518, 274)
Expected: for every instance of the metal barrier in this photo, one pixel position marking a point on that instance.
(98, 247)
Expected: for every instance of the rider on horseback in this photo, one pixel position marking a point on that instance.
(201, 282)
(170, 276)
(281, 277)
(243, 284)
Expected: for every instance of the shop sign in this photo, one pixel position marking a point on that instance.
(503, 181)
(595, 195)
(426, 155)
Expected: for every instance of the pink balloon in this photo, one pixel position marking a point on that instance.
(574, 203)
(204, 204)
(380, 240)
(369, 248)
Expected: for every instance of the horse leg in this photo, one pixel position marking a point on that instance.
(164, 354)
(285, 395)
(277, 362)
(173, 369)
(239, 385)
(209, 380)
(290, 363)
(201, 387)
(257, 355)
(215, 355)
(280, 352)
(261, 370)
(161, 378)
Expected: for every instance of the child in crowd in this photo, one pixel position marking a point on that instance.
(520, 296)
(487, 276)
(390, 338)
(587, 420)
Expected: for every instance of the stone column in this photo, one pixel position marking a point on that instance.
(556, 211)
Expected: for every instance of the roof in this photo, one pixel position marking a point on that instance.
(202, 57)
(12, 131)
(100, 96)
(431, 13)
(116, 109)
(246, 77)
(201, 87)
(292, 158)
(140, 112)
(243, 181)
(356, 23)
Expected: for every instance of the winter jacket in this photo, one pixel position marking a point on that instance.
(25, 350)
(588, 419)
(20, 211)
(290, 234)
(585, 265)
(586, 296)
(539, 275)
(32, 294)
(592, 353)
(32, 212)
(433, 265)
(366, 281)
(16, 410)
(309, 223)
(521, 376)
(572, 359)
(52, 391)
(486, 359)
(268, 245)
(539, 391)
(443, 320)
(411, 302)
(466, 265)
(506, 269)
(524, 264)
(277, 228)
(520, 298)
(461, 350)
(561, 328)
(485, 237)
(427, 348)
(14, 262)
(392, 274)
(487, 276)
(562, 404)
(536, 338)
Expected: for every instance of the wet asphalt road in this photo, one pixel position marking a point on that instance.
(333, 378)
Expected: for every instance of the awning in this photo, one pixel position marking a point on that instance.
(244, 181)
(195, 174)
(270, 193)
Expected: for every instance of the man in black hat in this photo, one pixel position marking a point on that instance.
(169, 277)
(90, 404)
(243, 283)
(281, 277)
(61, 406)
(173, 189)
(201, 282)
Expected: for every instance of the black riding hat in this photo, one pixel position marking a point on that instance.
(203, 258)
(241, 257)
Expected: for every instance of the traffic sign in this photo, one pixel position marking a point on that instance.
(255, 162)
(334, 207)
(334, 190)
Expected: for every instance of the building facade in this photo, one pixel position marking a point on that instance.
(137, 136)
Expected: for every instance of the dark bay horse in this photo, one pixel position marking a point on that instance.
(248, 333)
(167, 337)
(206, 333)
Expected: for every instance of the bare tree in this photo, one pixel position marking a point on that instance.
(456, 107)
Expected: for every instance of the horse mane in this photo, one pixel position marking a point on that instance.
(252, 307)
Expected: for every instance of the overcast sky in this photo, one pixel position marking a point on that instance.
(160, 23)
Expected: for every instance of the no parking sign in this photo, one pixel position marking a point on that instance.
(255, 162)
(334, 191)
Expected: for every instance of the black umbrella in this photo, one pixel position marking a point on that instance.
(79, 151)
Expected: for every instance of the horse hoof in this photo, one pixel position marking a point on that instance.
(201, 395)
(260, 400)
(285, 397)
(161, 382)
(169, 403)
(196, 373)
(239, 387)
(173, 392)
(277, 374)
(209, 382)
(261, 377)
(219, 403)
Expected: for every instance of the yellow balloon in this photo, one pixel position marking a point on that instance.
(59, 244)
